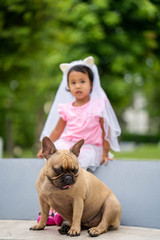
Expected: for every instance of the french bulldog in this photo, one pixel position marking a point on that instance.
(76, 194)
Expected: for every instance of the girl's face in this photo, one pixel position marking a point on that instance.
(79, 85)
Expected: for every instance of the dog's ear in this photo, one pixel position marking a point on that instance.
(48, 147)
(76, 148)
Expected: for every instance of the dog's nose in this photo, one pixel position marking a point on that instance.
(68, 179)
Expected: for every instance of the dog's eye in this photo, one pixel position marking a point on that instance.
(58, 171)
(75, 171)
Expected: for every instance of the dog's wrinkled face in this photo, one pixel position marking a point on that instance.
(62, 169)
(62, 165)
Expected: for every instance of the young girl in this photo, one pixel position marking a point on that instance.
(82, 110)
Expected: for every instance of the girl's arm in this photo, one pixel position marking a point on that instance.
(55, 134)
(57, 131)
(106, 145)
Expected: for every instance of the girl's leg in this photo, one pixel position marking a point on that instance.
(90, 156)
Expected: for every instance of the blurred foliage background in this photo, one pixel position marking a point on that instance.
(37, 35)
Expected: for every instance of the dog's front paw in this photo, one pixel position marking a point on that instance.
(94, 232)
(73, 232)
(64, 229)
(37, 227)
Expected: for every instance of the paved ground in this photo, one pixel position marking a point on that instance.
(19, 230)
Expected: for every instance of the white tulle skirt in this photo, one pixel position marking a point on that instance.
(90, 155)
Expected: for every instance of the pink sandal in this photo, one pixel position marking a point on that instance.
(58, 219)
(50, 220)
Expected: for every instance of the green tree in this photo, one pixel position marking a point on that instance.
(23, 44)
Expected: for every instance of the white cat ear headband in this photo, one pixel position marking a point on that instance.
(89, 61)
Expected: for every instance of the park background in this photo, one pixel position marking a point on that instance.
(123, 37)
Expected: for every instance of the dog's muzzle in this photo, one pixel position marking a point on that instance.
(67, 180)
(64, 182)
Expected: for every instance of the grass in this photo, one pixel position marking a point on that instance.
(23, 153)
(141, 152)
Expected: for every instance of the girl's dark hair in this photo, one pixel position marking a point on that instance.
(83, 69)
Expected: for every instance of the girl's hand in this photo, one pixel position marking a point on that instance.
(39, 154)
(105, 159)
